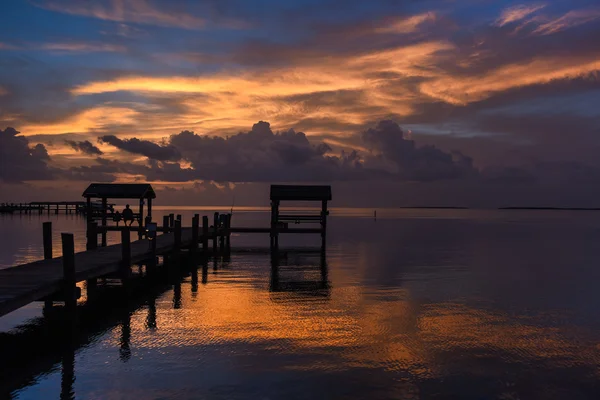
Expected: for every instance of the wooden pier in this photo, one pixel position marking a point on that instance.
(55, 279)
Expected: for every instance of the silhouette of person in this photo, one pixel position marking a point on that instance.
(127, 215)
(117, 218)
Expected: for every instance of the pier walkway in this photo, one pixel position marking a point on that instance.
(26, 283)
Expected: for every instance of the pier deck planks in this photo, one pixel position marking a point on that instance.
(26, 283)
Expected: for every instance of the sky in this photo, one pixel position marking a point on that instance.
(395, 103)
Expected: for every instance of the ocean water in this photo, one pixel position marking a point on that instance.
(418, 304)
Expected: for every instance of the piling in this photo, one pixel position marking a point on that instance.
(215, 233)
(125, 248)
(177, 236)
(195, 229)
(171, 220)
(165, 223)
(228, 233)
(69, 282)
(92, 236)
(205, 234)
(47, 234)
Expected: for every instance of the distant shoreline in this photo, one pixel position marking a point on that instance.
(551, 208)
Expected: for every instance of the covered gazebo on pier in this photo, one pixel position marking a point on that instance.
(295, 193)
(142, 192)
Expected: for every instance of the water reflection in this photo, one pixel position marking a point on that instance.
(465, 314)
(299, 275)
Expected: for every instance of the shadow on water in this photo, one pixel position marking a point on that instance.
(46, 343)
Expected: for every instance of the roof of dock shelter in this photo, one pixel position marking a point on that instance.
(120, 191)
(301, 192)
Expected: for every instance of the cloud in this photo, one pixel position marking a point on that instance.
(85, 147)
(143, 147)
(167, 14)
(569, 20)
(517, 13)
(406, 25)
(18, 161)
(462, 90)
(80, 47)
(428, 163)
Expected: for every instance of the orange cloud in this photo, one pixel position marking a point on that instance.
(569, 20)
(407, 25)
(87, 121)
(517, 13)
(468, 89)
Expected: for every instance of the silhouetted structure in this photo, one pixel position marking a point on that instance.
(280, 221)
(104, 191)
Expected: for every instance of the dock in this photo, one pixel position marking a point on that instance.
(55, 279)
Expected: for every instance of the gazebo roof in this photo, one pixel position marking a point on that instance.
(300, 192)
(120, 191)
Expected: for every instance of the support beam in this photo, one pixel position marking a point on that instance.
(177, 236)
(215, 232)
(47, 234)
(125, 248)
(205, 234)
(92, 236)
(104, 207)
(195, 233)
(69, 283)
(165, 224)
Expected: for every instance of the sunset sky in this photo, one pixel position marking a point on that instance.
(432, 102)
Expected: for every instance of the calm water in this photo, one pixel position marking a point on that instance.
(419, 304)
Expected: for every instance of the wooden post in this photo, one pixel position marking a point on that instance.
(150, 207)
(205, 234)
(195, 229)
(323, 223)
(274, 223)
(215, 233)
(228, 233)
(92, 235)
(179, 217)
(104, 207)
(177, 236)
(125, 248)
(141, 219)
(165, 224)
(89, 215)
(172, 220)
(57, 209)
(69, 282)
(47, 233)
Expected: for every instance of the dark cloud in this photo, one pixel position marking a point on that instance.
(18, 161)
(85, 147)
(143, 147)
(410, 162)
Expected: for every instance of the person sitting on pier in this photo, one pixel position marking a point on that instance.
(128, 215)
(117, 218)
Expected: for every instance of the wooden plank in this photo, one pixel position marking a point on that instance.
(26, 283)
